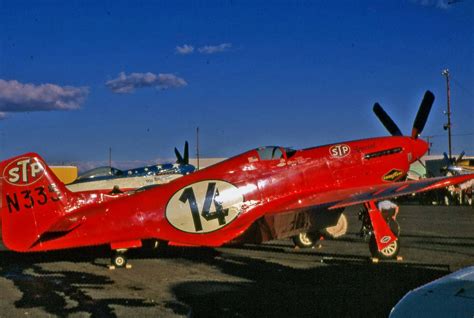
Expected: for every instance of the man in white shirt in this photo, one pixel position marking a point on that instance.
(389, 212)
(388, 208)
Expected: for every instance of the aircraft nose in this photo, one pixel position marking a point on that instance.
(420, 147)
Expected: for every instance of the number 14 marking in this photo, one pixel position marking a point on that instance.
(211, 194)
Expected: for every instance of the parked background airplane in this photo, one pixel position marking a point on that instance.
(262, 194)
(456, 166)
(449, 296)
(107, 179)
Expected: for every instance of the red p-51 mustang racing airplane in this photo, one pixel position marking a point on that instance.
(261, 194)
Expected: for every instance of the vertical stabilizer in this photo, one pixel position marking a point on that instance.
(32, 199)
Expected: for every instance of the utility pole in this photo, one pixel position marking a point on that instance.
(110, 156)
(428, 139)
(197, 146)
(447, 126)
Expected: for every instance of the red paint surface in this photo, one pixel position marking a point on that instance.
(310, 177)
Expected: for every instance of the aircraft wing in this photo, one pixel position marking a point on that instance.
(334, 199)
(387, 191)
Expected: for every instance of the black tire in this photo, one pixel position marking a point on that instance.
(394, 226)
(119, 260)
(390, 252)
(305, 240)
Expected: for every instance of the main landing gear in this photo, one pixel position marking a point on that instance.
(308, 240)
(382, 234)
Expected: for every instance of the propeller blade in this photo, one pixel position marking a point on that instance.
(422, 115)
(179, 158)
(460, 156)
(386, 120)
(186, 153)
(446, 159)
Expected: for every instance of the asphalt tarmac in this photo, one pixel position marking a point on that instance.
(335, 279)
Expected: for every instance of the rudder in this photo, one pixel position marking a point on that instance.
(32, 199)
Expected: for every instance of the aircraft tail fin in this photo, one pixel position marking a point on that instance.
(32, 199)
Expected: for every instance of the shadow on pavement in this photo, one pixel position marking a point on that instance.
(339, 289)
(61, 293)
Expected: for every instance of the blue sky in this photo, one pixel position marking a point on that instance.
(295, 74)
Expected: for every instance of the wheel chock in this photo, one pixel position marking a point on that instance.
(112, 267)
(374, 260)
(399, 258)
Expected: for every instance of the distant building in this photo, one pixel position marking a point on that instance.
(205, 162)
(431, 167)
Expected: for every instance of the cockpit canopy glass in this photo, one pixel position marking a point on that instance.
(100, 172)
(270, 153)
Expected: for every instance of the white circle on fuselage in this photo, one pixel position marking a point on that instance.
(204, 206)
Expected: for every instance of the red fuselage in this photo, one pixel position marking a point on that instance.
(268, 180)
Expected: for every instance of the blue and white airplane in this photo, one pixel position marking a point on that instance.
(110, 179)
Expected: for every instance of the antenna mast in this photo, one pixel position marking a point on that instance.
(447, 126)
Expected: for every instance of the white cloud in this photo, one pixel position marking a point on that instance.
(185, 49)
(128, 83)
(18, 97)
(211, 49)
(3, 115)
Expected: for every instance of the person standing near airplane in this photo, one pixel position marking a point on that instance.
(388, 209)
(389, 212)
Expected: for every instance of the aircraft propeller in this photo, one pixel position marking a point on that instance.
(453, 161)
(386, 120)
(183, 160)
(418, 124)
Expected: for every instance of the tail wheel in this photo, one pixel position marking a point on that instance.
(389, 252)
(305, 240)
(119, 260)
(337, 230)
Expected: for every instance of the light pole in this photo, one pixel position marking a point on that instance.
(447, 126)
(197, 146)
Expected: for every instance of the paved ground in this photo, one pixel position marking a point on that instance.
(334, 279)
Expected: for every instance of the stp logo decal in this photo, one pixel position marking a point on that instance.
(339, 151)
(23, 171)
(385, 239)
(392, 175)
(204, 206)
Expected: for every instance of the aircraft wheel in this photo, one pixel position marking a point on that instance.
(389, 252)
(305, 240)
(119, 260)
(337, 230)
